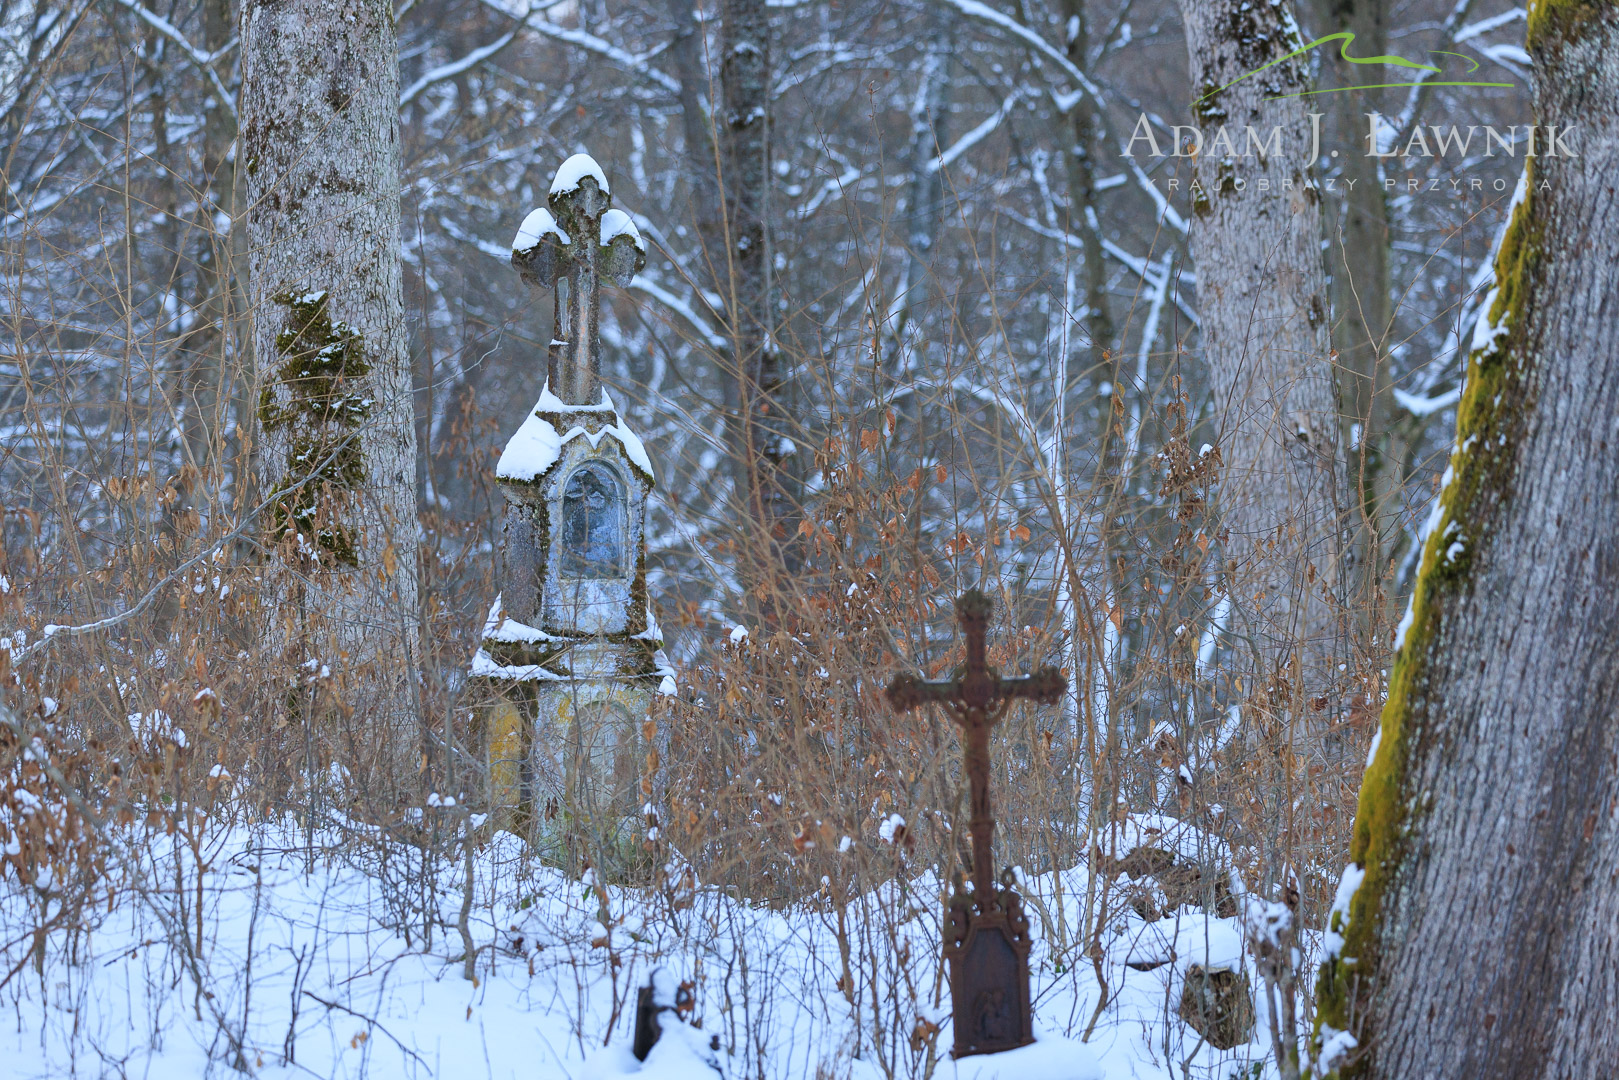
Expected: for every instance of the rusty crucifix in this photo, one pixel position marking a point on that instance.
(986, 938)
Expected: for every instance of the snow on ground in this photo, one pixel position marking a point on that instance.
(301, 969)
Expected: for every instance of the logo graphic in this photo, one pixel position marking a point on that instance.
(1347, 38)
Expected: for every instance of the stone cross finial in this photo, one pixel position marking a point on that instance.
(572, 246)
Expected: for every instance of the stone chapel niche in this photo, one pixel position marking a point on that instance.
(593, 524)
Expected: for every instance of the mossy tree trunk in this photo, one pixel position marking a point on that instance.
(320, 151)
(1263, 304)
(1483, 939)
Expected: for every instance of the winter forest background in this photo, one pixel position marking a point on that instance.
(912, 320)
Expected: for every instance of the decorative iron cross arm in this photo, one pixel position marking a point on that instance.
(977, 696)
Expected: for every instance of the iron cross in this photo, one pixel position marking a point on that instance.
(977, 697)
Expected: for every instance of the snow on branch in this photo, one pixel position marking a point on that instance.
(1143, 268)
(640, 65)
(679, 307)
(976, 135)
(1512, 57)
(455, 67)
(1166, 212)
(1005, 23)
(1408, 114)
(203, 61)
(1420, 401)
(832, 187)
(1484, 26)
(1417, 405)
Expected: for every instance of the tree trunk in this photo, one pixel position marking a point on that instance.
(924, 213)
(762, 439)
(1483, 938)
(1099, 354)
(1357, 231)
(205, 351)
(925, 202)
(1084, 138)
(686, 54)
(320, 148)
(1262, 301)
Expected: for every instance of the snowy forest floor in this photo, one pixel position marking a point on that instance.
(298, 963)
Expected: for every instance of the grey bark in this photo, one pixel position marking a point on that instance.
(320, 149)
(1356, 219)
(924, 211)
(1084, 137)
(925, 202)
(728, 166)
(207, 350)
(762, 437)
(1485, 938)
(1099, 353)
(703, 168)
(1263, 306)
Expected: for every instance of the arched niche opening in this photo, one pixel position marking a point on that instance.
(595, 523)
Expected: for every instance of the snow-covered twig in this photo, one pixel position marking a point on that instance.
(1163, 274)
(639, 65)
(456, 67)
(1142, 267)
(976, 135)
(1408, 114)
(203, 61)
(1417, 405)
(1484, 26)
(1008, 25)
(643, 283)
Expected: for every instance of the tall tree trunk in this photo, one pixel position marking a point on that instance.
(925, 202)
(1262, 301)
(1356, 218)
(1083, 141)
(1483, 937)
(762, 438)
(696, 125)
(1099, 353)
(320, 148)
(207, 349)
(924, 211)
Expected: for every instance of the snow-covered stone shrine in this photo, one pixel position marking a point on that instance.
(571, 654)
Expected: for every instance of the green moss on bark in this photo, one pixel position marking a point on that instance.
(1565, 20)
(317, 397)
(1490, 422)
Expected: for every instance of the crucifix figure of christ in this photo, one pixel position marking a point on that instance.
(986, 937)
